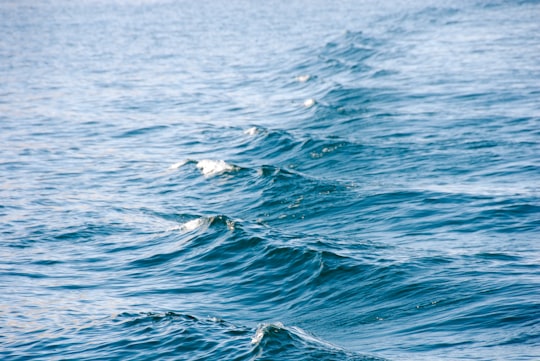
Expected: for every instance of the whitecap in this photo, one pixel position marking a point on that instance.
(193, 224)
(309, 102)
(213, 167)
(203, 223)
(175, 228)
(264, 328)
(251, 131)
(256, 339)
(268, 328)
(303, 78)
(178, 164)
(189, 225)
(230, 225)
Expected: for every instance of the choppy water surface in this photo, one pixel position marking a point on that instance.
(301, 180)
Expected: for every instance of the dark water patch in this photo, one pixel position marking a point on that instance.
(270, 145)
(488, 256)
(142, 131)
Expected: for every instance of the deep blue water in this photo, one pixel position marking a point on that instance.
(277, 180)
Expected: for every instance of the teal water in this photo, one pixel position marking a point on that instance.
(239, 180)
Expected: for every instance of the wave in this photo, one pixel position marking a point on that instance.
(304, 273)
(276, 341)
(208, 167)
(214, 167)
(174, 335)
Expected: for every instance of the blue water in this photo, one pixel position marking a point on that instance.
(277, 180)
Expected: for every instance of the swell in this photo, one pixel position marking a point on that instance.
(360, 192)
(232, 268)
(319, 184)
(173, 335)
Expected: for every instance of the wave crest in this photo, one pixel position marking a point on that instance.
(276, 341)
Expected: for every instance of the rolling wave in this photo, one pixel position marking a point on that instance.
(228, 182)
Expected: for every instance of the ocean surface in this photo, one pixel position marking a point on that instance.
(269, 180)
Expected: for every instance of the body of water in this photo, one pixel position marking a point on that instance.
(271, 180)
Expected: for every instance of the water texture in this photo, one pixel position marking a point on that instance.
(279, 180)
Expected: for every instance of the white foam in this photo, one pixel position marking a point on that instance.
(178, 164)
(309, 102)
(192, 225)
(303, 78)
(265, 328)
(262, 329)
(230, 225)
(251, 131)
(202, 223)
(188, 226)
(256, 339)
(213, 167)
(175, 228)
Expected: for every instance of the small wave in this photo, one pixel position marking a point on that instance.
(169, 247)
(141, 131)
(199, 223)
(178, 164)
(252, 131)
(193, 224)
(170, 334)
(276, 341)
(189, 225)
(309, 102)
(265, 328)
(210, 167)
(303, 78)
(268, 329)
